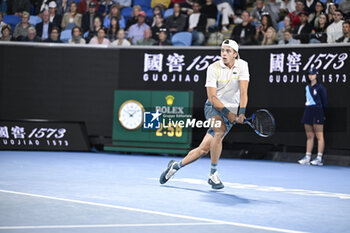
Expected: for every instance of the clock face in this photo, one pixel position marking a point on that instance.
(131, 114)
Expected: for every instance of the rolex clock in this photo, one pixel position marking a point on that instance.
(134, 115)
(130, 114)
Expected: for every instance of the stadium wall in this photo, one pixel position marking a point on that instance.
(62, 82)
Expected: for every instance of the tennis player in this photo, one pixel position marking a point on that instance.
(227, 90)
(313, 118)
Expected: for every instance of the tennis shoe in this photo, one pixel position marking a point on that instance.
(305, 160)
(168, 173)
(317, 162)
(215, 181)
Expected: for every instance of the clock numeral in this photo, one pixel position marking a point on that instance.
(171, 131)
(159, 131)
(178, 131)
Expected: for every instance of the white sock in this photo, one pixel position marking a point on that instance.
(213, 168)
(319, 155)
(308, 155)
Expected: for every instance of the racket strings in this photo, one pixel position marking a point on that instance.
(264, 123)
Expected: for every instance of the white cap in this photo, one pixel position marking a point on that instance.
(230, 43)
(52, 4)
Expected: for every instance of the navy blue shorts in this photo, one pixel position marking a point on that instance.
(210, 111)
(313, 115)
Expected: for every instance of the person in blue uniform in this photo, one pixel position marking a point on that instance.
(314, 118)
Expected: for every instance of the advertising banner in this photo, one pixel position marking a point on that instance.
(43, 135)
(278, 77)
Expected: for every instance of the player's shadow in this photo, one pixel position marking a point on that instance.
(218, 197)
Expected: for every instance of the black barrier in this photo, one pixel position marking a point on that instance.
(278, 80)
(78, 83)
(43, 135)
(59, 82)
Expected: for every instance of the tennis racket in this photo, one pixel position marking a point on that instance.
(262, 122)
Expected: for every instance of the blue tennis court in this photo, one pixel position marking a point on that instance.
(105, 192)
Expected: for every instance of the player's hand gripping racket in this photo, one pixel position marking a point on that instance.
(262, 122)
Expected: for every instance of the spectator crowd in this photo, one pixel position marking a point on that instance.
(156, 22)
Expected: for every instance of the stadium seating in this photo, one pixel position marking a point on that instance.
(280, 25)
(143, 3)
(213, 36)
(34, 20)
(149, 13)
(126, 12)
(66, 35)
(182, 39)
(12, 20)
(168, 12)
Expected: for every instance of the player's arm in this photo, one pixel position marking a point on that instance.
(211, 85)
(243, 88)
(211, 92)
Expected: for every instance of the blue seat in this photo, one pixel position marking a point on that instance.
(145, 9)
(149, 13)
(34, 20)
(86, 34)
(182, 39)
(168, 12)
(66, 35)
(143, 3)
(12, 20)
(126, 12)
(280, 25)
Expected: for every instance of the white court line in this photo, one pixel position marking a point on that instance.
(106, 225)
(154, 212)
(302, 192)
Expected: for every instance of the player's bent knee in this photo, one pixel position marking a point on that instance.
(219, 135)
(203, 151)
(219, 131)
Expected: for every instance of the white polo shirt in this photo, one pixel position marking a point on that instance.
(226, 81)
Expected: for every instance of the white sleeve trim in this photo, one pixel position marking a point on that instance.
(244, 71)
(212, 76)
